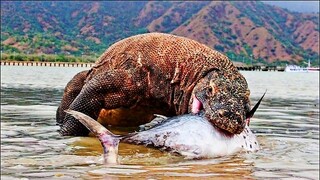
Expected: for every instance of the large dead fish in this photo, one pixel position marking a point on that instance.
(189, 135)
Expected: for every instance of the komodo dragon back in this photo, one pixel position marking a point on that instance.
(163, 74)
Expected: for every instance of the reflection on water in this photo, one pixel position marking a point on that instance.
(286, 124)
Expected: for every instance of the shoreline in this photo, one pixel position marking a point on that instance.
(48, 64)
(80, 64)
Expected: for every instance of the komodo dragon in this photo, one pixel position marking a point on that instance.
(157, 73)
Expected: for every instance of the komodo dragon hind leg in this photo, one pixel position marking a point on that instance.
(71, 91)
(109, 90)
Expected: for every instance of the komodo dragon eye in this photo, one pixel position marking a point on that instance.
(212, 89)
(209, 91)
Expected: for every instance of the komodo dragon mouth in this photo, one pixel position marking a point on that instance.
(197, 106)
(225, 101)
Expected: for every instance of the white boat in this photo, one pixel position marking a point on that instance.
(295, 68)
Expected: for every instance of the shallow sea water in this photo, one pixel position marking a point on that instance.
(286, 125)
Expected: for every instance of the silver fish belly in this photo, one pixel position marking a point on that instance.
(191, 136)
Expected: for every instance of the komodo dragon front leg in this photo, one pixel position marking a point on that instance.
(71, 91)
(108, 90)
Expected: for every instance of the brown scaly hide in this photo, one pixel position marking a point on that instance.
(150, 73)
(71, 91)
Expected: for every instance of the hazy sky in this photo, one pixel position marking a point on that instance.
(298, 6)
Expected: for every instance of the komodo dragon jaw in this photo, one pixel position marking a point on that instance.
(225, 100)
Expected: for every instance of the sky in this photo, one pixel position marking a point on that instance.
(298, 6)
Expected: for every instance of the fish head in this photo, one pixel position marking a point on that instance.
(224, 97)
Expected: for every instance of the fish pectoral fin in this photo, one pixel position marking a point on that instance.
(249, 140)
(154, 122)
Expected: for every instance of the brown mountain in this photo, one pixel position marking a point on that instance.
(232, 26)
(242, 30)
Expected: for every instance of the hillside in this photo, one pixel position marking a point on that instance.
(242, 30)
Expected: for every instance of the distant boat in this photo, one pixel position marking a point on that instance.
(295, 68)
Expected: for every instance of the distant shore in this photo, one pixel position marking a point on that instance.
(240, 67)
(49, 64)
(56, 58)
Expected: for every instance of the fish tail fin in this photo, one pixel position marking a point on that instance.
(109, 141)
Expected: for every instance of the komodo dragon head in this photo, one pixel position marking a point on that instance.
(225, 99)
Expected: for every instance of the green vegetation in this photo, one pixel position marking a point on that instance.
(249, 60)
(69, 29)
(47, 58)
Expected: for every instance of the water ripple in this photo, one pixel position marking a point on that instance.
(286, 125)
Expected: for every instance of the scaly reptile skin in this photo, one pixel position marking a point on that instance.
(71, 91)
(158, 73)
